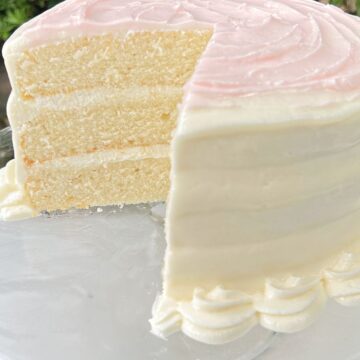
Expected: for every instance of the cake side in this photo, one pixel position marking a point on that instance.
(256, 192)
(268, 144)
(261, 217)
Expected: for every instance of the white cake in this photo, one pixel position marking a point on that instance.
(263, 221)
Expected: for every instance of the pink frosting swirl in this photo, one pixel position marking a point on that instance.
(258, 46)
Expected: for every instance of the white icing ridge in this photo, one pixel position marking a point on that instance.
(343, 280)
(290, 306)
(168, 320)
(84, 99)
(287, 305)
(13, 202)
(217, 317)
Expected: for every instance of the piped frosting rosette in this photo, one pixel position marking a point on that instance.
(221, 316)
(13, 203)
(291, 305)
(166, 319)
(217, 317)
(286, 305)
(214, 317)
(343, 279)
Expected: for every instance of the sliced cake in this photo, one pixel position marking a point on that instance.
(261, 101)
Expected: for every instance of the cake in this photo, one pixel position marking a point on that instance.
(255, 106)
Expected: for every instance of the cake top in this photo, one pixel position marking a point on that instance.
(257, 46)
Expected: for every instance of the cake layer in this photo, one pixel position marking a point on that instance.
(122, 60)
(115, 177)
(87, 122)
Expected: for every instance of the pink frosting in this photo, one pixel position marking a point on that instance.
(258, 46)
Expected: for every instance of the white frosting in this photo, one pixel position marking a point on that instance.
(14, 204)
(285, 306)
(343, 280)
(216, 317)
(109, 156)
(81, 99)
(262, 200)
(167, 320)
(264, 192)
(292, 305)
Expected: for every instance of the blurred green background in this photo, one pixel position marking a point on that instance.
(352, 6)
(13, 13)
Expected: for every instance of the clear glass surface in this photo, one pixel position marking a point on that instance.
(81, 285)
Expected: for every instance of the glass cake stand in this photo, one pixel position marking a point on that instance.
(80, 286)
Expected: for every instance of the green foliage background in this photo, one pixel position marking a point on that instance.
(340, 2)
(13, 13)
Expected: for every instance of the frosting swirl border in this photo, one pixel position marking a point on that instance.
(285, 306)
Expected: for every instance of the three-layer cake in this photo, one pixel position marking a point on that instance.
(261, 102)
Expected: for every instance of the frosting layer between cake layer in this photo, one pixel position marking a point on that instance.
(66, 183)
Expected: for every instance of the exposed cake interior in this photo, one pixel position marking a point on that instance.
(112, 98)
